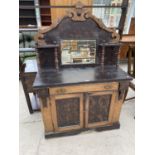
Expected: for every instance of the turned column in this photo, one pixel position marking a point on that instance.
(102, 56)
(56, 58)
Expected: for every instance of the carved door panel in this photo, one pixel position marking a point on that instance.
(99, 108)
(67, 112)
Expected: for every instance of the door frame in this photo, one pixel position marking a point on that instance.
(54, 112)
(111, 109)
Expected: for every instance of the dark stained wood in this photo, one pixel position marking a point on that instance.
(68, 111)
(89, 29)
(45, 13)
(123, 16)
(46, 58)
(102, 56)
(27, 77)
(99, 108)
(132, 86)
(83, 75)
(123, 88)
(56, 59)
(78, 24)
(76, 132)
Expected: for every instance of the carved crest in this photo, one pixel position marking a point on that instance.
(79, 13)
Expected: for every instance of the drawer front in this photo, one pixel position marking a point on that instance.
(84, 88)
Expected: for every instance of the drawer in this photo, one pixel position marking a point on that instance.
(84, 88)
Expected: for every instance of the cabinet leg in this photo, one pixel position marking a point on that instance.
(28, 102)
(129, 61)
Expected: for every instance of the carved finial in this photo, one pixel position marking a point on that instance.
(79, 5)
(78, 13)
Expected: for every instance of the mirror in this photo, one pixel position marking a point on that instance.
(78, 52)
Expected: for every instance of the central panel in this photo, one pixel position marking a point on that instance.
(68, 111)
(78, 52)
(99, 108)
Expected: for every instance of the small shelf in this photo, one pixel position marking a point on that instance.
(27, 17)
(27, 26)
(48, 46)
(25, 8)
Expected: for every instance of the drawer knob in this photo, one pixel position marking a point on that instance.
(107, 87)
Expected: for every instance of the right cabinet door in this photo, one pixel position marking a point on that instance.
(99, 108)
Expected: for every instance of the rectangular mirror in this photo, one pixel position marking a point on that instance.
(78, 52)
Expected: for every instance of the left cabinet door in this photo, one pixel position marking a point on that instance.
(67, 112)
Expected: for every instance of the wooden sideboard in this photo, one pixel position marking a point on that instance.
(77, 100)
(84, 94)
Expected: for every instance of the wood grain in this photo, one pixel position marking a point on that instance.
(84, 88)
(54, 112)
(47, 115)
(57, 14)
(111, 110)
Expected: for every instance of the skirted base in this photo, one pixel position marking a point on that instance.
(70, 133)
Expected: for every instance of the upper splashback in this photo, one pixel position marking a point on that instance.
(78, 24)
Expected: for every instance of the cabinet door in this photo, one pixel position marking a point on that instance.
(99, 108)
(67, 112)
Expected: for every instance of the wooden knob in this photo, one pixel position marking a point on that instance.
(108, 87)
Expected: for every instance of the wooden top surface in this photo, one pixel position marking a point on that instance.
(70, 76)
(128, 39)
(31, 66)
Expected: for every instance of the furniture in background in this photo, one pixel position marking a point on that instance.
(21, 66)
(132, 26)
(58, 13)
(27, 16)
(45, 13)
(79, 83)
(36, 13)
(27, 77)
(129, 40)
(123, 54)
(128, 50)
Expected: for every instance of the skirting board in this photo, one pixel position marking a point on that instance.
(71, 133)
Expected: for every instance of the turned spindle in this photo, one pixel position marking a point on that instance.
(102, 56)
(56, 59)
